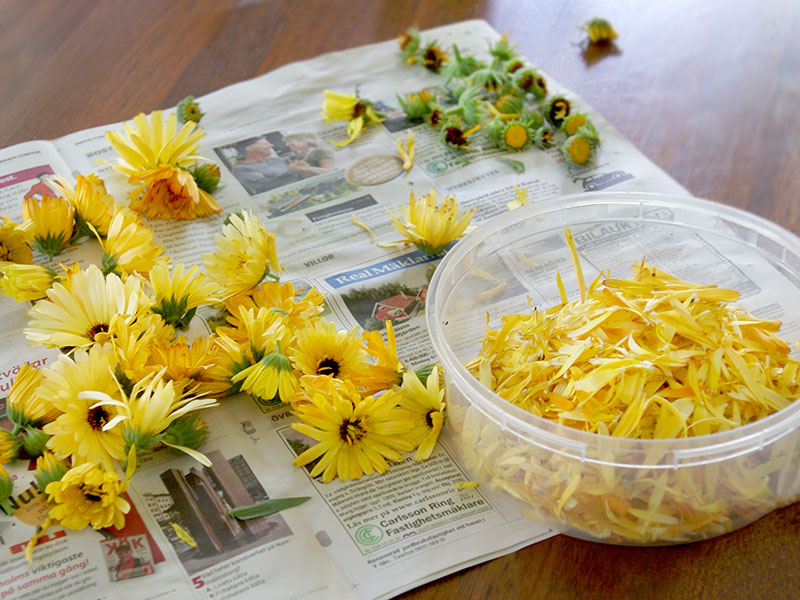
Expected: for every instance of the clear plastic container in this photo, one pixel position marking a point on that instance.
(616, 490)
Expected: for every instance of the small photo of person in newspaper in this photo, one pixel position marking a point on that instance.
(125, 563)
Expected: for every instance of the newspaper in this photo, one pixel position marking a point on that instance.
(366, 539)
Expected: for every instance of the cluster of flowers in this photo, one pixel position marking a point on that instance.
(126, 382)
(505, 96)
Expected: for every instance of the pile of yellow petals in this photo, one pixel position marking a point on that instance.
(428, 225)
(649, 358)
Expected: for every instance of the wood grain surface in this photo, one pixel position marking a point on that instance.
(710, 91)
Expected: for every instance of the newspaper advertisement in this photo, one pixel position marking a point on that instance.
(370, 538)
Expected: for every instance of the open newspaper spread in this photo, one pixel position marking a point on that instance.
(370, 538)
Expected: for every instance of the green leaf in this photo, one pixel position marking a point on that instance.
(267, 507)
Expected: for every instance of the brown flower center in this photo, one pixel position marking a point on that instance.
(90, 493)
(328, 366)
(351, 431)
(359, 109)
(95, 329)
(455, 136)
(97, 418)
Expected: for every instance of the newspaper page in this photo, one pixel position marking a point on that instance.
(370, 538)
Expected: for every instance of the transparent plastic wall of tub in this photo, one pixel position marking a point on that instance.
(614, 490)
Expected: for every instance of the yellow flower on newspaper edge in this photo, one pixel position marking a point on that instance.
(170, 192)
(88, 495)
(428, 226)
(425, 404)
(245, 255)
(51, 223)
(179, 293)
(356, 435)
(78, 312)
(129, 247)
(349, 107)
(14, 239)
(386, 371)
(320, 349)
(93, 204)
(26, 406)
(24, 282)
(79, 432)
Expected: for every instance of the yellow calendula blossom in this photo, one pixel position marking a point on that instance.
(26, 406)
(25, 282)
(320, 349)
(92, 203)
(81, 431)
(129, 247)
(229, 357)
(355, 435)
(147, 411)
(156, 155)
(272, 376)
(577, 148)
(9, 446)
(184, 363)
(88, 495)
(14, 240)
(281, 298)
(180, 292)
(78, 311)
(358, 112)
(429, 226)
(51, 222)
(425, 404)
(245, 255)
(49, 469)
(385, 370)
(599, 30)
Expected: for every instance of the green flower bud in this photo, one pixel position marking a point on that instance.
(49, 469)
(189, 110)
(34, 441)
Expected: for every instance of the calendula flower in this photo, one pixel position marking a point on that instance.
(280, 298)
(93, 204)
(433, 57)
(531, 82)
(187, 431)
(599, 30)
(34, 441)
(229, 358)
(88, 495)
(461, 67)
(9, 447)
(270, 377)
(147, 411)
(417, 105)
(509, 105)
(356, 435)
(78, 311)
(170, 192)
(543, 137)
(14, 239)
(577, 148)
(179, 293)
(25, 405)
(358, 112)
(25, 282)
(129, 247)
(557, 110)
(426, 406)
(156, 156)
(207, 177)
(184, 363)
(386, 370)
(245, 255)
(409, 44)
(503, 50)
(51, 223)
(573, 122)
(136, 343)
(6, 490)
(453, 135)
(427, 225)
(320, 349)
(516, 136)
(188, 110)
(49, 469)
(405, 148)
(81, 430)
(491, 79)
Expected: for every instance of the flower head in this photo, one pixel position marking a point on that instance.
(51, 222)
(129, 247)
(532, 82)
(14, 240)
(425, 404)
(26, 406)
(599, 30)
(92, 203)
(433, 57)
(179, 293)
(557, 110)
(78, 311)
(184, 364)
(188, 431)
(245, 255)
(320, 349)
(358, 112)
(515, 136)
(88, 495)
(417, 105)
(280, 298)
(577, 148)
(9, 446)
(429, 226)
(189, 110)
(25, 282)
(270, 377)
(81, 430)
(386, 370)
(49, 469)
(170, 192)
(356, 435)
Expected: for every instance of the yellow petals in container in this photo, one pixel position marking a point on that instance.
(638, 409)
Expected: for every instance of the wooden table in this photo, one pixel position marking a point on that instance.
(709, 91)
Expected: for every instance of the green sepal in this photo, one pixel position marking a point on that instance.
(206, 176)
(109, 264)
(174, 312)
(188, 110)
(187, 430)
(51, 244)
(266, 507)
(34, 441)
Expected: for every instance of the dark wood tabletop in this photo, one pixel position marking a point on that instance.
(710, 91)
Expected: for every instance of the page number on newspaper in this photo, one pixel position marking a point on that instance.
(198, 582)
